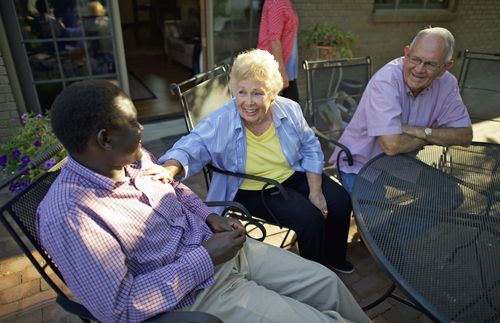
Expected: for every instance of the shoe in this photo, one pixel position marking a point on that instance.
(346, 267)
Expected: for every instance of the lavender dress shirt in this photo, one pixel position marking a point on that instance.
(128, 249)
(388, 103)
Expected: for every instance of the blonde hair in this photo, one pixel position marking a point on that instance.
(259, 65)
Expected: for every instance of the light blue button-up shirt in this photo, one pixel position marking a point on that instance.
(220, 140)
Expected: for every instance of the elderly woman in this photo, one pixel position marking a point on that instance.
(261, 133)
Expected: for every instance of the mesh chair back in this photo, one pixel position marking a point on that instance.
(479, 83)
(334, 89)
(202, 94)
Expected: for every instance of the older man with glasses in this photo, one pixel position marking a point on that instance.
(410, 102)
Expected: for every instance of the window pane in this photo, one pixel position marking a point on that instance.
(47, 93)
(385, 4)
(235, 27)
(438, 4)
(37, 20)
(73, 60)
(43, 60)
(411, 4)
(68, 13)
(101, 56)
(96, 23)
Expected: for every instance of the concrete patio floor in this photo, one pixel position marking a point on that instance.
(367, 283)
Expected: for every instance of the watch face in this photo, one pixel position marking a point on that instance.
(427, 131)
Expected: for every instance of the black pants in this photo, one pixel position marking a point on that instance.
(320, 240)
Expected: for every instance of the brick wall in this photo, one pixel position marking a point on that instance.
(9, 115)
(475, 25)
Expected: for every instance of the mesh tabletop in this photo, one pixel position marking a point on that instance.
(432, 220)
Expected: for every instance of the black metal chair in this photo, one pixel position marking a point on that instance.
(18, 216)
(202, 94)
(333, 90)
(479, 83)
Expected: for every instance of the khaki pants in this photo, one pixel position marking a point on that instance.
(267, 284)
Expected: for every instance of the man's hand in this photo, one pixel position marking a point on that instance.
(223, 224)
(223, 246)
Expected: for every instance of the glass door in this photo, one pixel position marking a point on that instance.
(57, 42)
(232, 26)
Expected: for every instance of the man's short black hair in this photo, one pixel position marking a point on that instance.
(82, 109)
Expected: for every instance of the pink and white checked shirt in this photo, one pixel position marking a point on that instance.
(279, 22)
(128, 249)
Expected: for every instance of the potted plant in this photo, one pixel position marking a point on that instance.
(34, 137)
(329, 41)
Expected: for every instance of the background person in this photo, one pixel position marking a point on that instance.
(130, 247)
(411, 102)
(278, 35)
(263, 134)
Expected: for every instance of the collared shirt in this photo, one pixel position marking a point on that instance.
(127, 249)
(220, 140)
(279, 22)
(388, 103)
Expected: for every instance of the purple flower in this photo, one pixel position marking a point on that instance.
(37, 144)
(24, 184)
(24, 118)
(25, 160)
(3, 160)
(23, 166)
(16, 153)
(38, 116)
(13, 187)
(49, 163)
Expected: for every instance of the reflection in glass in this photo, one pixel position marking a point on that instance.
(101, 56)
(96, 23)
(47, 93)
(43, 60)
(236, 27)
(438, 4)
(37, 20)
(411, 4)
(73, 60)
(68, 12)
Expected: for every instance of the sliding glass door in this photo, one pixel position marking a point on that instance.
(57, 42)
(232, 26)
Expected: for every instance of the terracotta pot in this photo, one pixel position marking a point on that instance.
(325, 52)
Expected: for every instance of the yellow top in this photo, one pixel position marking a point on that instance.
(265, 158)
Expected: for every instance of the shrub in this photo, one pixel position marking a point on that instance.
(33, 138)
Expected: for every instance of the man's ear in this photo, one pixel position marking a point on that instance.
(447, 66)
(103, 139)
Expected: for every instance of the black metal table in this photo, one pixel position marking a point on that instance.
(432, 221)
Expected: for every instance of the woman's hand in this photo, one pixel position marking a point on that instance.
(316, 196)
(160, 173)
(319, 201)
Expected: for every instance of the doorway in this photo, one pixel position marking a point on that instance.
(152, 65)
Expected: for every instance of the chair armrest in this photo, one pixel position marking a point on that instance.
(266, 180)
(182, 316)
(343, 148)
(74, 308)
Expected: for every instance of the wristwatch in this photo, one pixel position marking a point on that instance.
(428, 132)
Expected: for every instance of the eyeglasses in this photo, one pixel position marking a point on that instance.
(429, 66)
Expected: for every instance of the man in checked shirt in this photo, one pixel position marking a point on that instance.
(131, 246)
